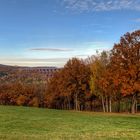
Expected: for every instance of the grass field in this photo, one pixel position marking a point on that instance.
(24, 123)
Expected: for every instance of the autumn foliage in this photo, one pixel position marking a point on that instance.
(108, 82)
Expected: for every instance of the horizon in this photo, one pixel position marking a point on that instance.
(46, 33)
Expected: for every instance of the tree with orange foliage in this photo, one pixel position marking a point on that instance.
(67, 89)
(126, 60)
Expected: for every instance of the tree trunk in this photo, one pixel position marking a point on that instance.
(106, 104)
(119, 106)
(136, 107)
(110, 105)
(69, 106)
(133, 105)
(76, 102)
(103, 104)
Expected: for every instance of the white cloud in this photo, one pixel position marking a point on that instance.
(101, 5)
(59, 62)
(137, 20)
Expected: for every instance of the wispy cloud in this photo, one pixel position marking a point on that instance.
(59, 62)
(99, 44)
(51, 49)
(101, 5)
(137, 20)
(36, 59)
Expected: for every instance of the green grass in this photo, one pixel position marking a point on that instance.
(25, 123)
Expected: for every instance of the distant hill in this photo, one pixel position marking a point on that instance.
(7, 69)
(1, 65)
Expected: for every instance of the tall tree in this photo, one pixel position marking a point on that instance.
(99, 82)
(126, 60)
(69, 86)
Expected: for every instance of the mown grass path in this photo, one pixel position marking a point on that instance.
(25, 123)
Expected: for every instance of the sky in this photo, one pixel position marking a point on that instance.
(50, 32)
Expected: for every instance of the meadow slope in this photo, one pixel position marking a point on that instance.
(25, 123)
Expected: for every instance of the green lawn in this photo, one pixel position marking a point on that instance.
(25, 123)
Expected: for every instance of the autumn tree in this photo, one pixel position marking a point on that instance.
(69, 86)
(126, 60)
(101, 79)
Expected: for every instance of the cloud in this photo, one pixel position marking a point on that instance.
(137, 20)
(99, 44)
(59, 62)
(51, 49)
(101, 5)
(37, 60)
(82, 55)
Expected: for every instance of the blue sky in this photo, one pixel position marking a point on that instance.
(49, 32)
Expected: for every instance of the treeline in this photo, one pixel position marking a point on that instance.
(107, 81)
(21, 87)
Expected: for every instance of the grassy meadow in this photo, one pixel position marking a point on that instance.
(25, 123)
